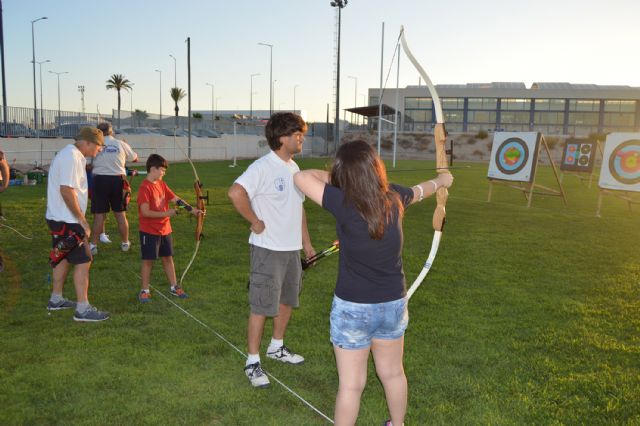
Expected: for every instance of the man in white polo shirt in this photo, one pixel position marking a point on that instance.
(267, 198)
(67, 196)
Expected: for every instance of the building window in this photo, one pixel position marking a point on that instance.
(373, 100)
(515, 105)
(620, 106)
(584, 105)
(481, 117)
(453, 116)
(549, 105)
(418, 115)
(423, 103)
(583, 118)
(548, 117)
(514, 117)
(483, 103)
(452, 103)
(622, 120)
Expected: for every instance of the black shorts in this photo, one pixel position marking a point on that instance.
(107, 194)
(154, 246)
(79, 255)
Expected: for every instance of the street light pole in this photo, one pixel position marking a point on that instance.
(270, 46)
(340, 4)
(251, 97)
(160, 71)
(81, 90)
(213, 111)
(131, 104)
(58, 74)
(294, 97)
(33, 59)
(217, 99)
(175, 71)
(41, 104)
(274, 93)
(355, 95)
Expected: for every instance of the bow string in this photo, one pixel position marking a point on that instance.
(197, 186)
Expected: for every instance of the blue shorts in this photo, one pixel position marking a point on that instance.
(354, 325)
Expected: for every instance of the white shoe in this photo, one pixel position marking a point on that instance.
(284, 354)
(125, 246)
(256, 375)
(94, 249)
(104, 238)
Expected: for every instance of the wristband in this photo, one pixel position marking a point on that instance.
(421, 197)
(182, 203)
(435, 185)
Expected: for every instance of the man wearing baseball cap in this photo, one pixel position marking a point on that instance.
(67, 196)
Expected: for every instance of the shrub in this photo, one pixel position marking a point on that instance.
(598, 136)
(552, 142)
(482, 134)
(405, 143)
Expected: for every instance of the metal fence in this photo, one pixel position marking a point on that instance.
(22, 122)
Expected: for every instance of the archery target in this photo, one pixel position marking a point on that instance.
(621, 163)
(513, 155)
(578, 156)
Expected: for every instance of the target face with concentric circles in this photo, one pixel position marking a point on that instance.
(512, 156)
(624, 162)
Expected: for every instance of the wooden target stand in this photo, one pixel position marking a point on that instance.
(582, 175)
(529, 188)
(628, 196)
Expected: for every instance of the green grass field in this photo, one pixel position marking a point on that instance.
(528, 316)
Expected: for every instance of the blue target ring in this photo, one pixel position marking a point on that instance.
(512, 156)
(624, 162)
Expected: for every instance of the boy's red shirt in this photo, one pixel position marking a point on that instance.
(157, 194)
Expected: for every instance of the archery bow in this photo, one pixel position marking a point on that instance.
(197, 186)
(442, 194)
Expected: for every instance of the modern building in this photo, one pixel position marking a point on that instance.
(551, 108)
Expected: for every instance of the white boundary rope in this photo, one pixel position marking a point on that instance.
(224, 339)
(16, 231)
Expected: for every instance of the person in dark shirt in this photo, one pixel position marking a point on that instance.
(369, 311)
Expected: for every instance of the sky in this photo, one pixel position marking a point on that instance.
(456, 41)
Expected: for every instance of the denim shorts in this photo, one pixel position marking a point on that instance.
(353, 325)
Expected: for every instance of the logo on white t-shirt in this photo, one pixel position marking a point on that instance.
(112, 149)
(281, 184)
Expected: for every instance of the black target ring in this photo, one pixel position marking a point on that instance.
(518, 144)
(613, 164)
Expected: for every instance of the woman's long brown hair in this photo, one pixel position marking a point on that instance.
(361, 175)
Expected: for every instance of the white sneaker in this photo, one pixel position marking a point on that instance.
(256, 375)
(104, 238)
(284, 354)
(125, 246)
(94, 249)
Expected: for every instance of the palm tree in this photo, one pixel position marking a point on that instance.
(177, 95)
(118, 82)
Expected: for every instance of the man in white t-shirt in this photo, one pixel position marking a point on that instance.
(67, 196)
(267, 198)
(109, 175)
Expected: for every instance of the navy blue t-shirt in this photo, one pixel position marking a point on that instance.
(370, 271)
